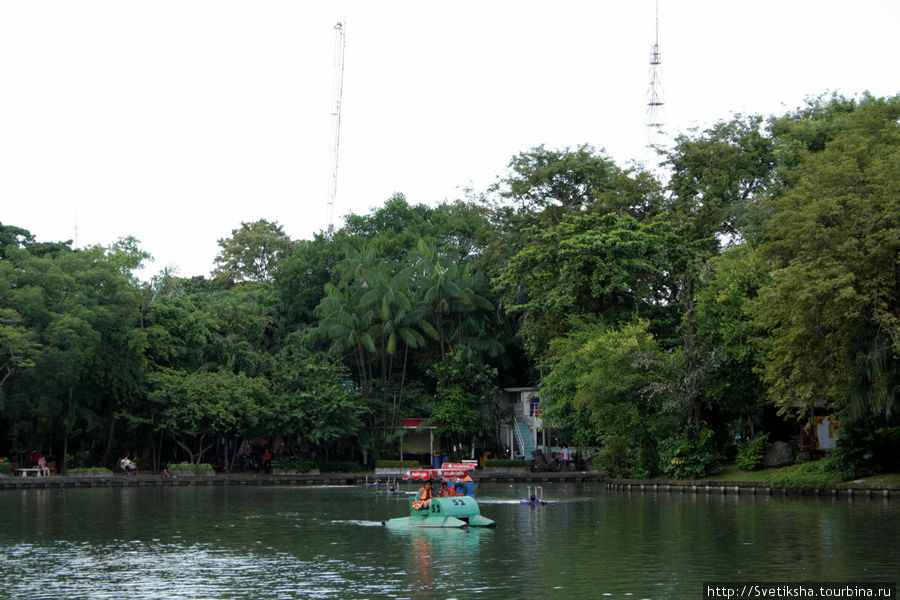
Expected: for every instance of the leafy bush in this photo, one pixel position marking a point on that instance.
(396, 464)
(89, 470)
(863, 449)
(190, 467)
(751, 452)
(690, 455)
(619, 459)
(5, 466)
(341, 466)
(819, 474)
(300, 466)
(505, 463)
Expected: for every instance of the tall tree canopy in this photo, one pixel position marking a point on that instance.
(833, 306)
(252, 251)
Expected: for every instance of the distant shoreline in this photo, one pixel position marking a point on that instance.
(858, 489)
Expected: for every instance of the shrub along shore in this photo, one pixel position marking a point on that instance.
(794, 480)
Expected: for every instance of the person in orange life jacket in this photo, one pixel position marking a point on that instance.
(445, 490)
(423, 496)
(466, 485)
(457, 489)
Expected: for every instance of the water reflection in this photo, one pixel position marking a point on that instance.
(294, 542)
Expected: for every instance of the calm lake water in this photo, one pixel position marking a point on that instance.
(328, 542)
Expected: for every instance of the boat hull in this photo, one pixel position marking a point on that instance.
(460, 511)
(426, 522)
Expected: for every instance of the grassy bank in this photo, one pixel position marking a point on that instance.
(810, 475)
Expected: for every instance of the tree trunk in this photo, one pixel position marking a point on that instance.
(107, 450)
(61, 463)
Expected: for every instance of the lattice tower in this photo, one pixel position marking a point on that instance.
(655, 94)
(337, 96)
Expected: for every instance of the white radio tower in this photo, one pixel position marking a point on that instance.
(337, 95)
(654, 94)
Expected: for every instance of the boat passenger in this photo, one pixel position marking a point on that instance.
(467, 484)
(445, 490)
(423, 496)
(457, 489)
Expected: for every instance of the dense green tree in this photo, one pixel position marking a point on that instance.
(610, 266)
(252, 251)
(82, 307)
(464, 384)
(450, 293)
(717, 178)
(597, 383)
(659, 318)
(543, 186)
(18, 347)
(300, 278)
(398, 228)
(733, 393)
(317, 402)
(833, 242)
(198, 407)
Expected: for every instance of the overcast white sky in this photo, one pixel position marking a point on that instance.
(176, 120)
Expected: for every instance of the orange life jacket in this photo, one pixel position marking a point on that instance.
(423, 494)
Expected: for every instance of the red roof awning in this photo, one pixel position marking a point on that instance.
(416, 423)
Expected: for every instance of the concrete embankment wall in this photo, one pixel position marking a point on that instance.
(239, 479)
(750, 488)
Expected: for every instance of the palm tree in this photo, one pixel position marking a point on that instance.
(399, 321)
(348, 324)
(448, 292)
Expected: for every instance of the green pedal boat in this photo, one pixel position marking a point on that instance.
(452, 511)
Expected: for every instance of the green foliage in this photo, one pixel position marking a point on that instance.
(765, 269)
(300, 277)
(629, 448)
(724, 323)
(751, 452)
(314, 397)
(718, 176)
(382, 463)
(252, 252)
(463, 384)
(194, 407)
(18, 347)
(190, 467)
(863, 448)
(819, 474)
(77, 470)
(607, 266)
(298, 466)
(833, 240)
(691, 454)
(505, 463)
(595, 383)
(341, 466)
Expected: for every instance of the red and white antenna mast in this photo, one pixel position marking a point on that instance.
(337, 96)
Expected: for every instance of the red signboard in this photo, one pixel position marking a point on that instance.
(423, 474)
(467, 466)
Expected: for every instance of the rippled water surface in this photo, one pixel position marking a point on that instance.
(328, 542)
